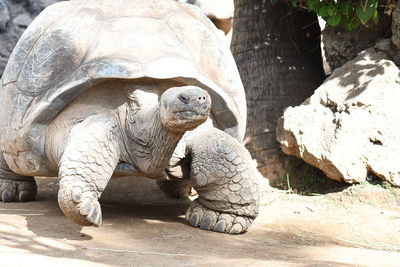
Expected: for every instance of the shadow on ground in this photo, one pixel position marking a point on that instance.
(143, 227)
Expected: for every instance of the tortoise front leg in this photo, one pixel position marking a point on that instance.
(87, 164)
(226, 179)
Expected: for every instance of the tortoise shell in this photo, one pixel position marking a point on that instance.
(73, 45)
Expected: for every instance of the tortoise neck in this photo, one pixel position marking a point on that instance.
(149, 144)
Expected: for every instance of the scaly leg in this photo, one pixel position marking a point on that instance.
(14, 187)
(226, 179)
(85, 168)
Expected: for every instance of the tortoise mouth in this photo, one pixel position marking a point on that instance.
(189, 113)
(193, 113)
(189, 117)
(186, 120)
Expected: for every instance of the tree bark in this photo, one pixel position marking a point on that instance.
(277, 50)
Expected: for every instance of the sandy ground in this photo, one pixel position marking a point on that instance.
(143, 227)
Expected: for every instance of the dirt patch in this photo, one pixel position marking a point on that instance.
(142, 227)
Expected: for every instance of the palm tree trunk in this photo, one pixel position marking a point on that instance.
(277, 50)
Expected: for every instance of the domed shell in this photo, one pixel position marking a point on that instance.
(73, 45)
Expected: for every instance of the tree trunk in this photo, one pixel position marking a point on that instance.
(277, 50)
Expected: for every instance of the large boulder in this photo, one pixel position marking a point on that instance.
(350, 126)
(342, 45)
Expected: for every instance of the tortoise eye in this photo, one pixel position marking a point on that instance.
(183, 99)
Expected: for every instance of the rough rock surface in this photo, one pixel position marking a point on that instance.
(342, 45)
(396, 27)
(386, 45)
(15, 16)
(350, 126)
(4, 15)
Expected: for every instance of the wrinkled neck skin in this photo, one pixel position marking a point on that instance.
(148, 144)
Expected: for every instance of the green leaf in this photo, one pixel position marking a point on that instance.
(350, 23)
(334, 20)
(375, 17)
(366, 9)
(330, 10)
(294, 2)
(320, 8)
(312, 3)
(315, 6)
(343, 7)
(323, 12)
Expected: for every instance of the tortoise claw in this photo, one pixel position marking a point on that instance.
(81, 207)
(15, 190)
(207, 219)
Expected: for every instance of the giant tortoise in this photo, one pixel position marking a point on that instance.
(94, 86)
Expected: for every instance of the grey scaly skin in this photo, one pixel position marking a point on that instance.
(14, 187)
(223, 174)
(144, 136)
(97, 96)
(215, 164)
(86, 166)
(149, 140)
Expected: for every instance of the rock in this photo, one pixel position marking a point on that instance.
(22, 20)
(4, 15)
(36, 6)
(386, 45)
(342, 45)
(350, 126)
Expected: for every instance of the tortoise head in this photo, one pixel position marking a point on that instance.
(184, 108)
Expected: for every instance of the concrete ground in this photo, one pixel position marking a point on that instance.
(143, 227)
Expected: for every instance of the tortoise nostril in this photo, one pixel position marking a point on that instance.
(201, 98)
(183, 99)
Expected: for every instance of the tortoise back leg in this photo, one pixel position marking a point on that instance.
(177, 182)
(14, 187)
(176, 188)
(226, 179)
(87, 164)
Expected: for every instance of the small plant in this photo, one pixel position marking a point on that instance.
(350, 13)
(289, 190)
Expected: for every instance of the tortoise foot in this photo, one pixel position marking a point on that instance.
(86, 166)
(80, 206)
(199, 216)
(16, 190)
